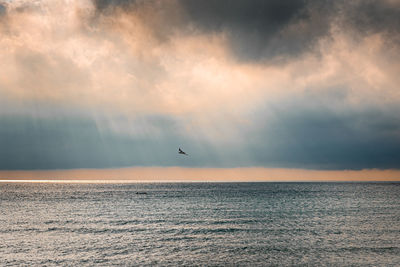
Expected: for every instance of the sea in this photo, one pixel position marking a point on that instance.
(200, 224)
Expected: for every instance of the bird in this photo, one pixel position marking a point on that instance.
(181, 152)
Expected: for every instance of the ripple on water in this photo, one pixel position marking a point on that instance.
(200, 224)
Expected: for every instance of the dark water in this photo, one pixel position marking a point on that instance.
(214, 224)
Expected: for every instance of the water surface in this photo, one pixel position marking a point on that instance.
(245, 224)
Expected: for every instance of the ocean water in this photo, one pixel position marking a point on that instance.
(207, 224)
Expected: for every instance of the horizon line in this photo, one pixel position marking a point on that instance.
(111, 181)
(185, 174)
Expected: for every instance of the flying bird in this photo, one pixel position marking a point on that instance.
(181, 152)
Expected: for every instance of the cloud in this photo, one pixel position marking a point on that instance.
(291, 135)
(66, 142)
(262, 30)
(244, 83)
(255, 30)
(372, 16)
(30, 143)
(320, 138)
(3, 9)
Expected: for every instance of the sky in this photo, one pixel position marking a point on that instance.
(289, 86)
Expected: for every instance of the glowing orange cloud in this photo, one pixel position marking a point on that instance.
(130, 63)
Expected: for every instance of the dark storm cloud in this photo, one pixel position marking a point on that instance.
(260, 30)
(320, 138)
(260, 15)
(373, 16)
(109, 5)
(43, 143)
(28, 143)
(257, 29)
(268, 29)
(307, 138)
